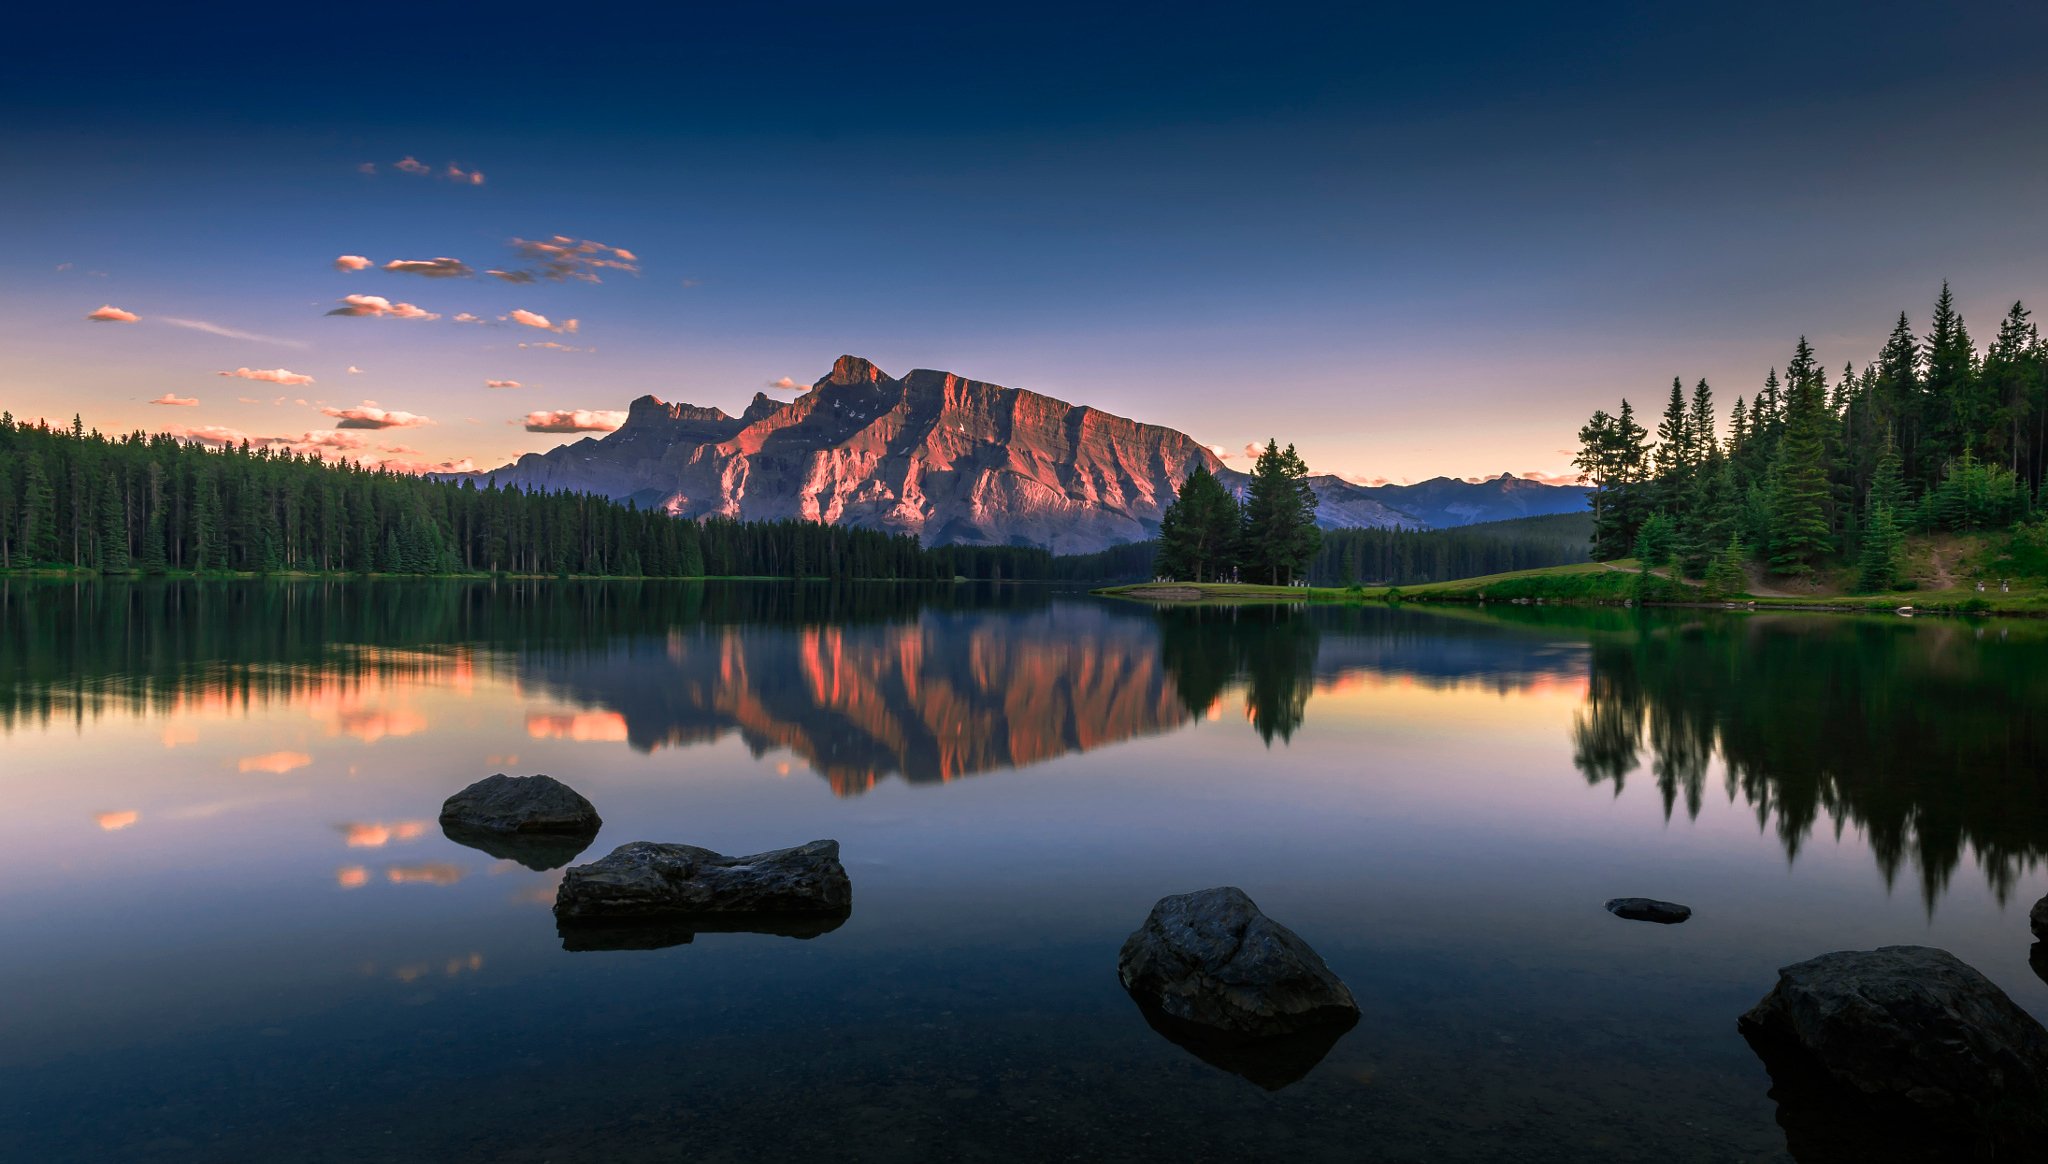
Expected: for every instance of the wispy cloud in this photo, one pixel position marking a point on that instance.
(400, 465)
(354, 371)
(455, 173)
(562, 257)
(211, 434)
(555, 346)
(108, 313)
(571, 420)
(786, 384)
(466, 317)
(441, 268)
(269, 375)
(377, 306)
(176, 401)
(368, 415)
(229, 332)
(350, 262)
(501, 384)
(536, 319)
(512, 276)
(1541, 477)
(412, 165)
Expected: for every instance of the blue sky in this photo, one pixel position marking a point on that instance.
(1412, 242)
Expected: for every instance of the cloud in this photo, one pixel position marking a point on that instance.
(368, 415)
(412, 165)
(269, 375)
(536, 319)
(457, 174)
(1252, 450)
(229, 332)
(786, 384)
(1552, 478)
(441, 268)
(417, 468)
(211, 434)
(555, 346)
(562, 257)
(466, 317)
(350, 262)
(367, 168)
(354, 371)
(501, 384)
(179, 401)
(114, 822)
(512, 276)
(108, 313)
(1222, 454)
(377, 305)
(571, 420)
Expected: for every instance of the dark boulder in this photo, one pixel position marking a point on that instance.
(1912, 1037)
(648, 880)
(1212, 961)
(2037, 919)
(1648, 909)
(520, 804)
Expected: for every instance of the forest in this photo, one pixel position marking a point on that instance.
(154, 504)
(1813, 474)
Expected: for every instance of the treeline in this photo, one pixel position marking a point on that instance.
(1406, 557)
(1931, 435)
(155, 504)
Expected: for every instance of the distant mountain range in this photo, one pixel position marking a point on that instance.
(957, 461)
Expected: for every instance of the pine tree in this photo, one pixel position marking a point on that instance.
(113, 555)
(1198, 532)
(1280, 535)
(1799, 495)
(1726, 577)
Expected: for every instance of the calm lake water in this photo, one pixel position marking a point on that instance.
(235, 931)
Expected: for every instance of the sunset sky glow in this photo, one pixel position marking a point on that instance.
(1414, 242)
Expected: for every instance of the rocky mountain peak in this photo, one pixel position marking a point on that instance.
(854, 370)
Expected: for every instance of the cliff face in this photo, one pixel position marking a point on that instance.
(946, 459)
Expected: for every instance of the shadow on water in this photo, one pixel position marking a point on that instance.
(661, 933)
(1271, 1063)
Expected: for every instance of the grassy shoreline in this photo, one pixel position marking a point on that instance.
(1593, 584)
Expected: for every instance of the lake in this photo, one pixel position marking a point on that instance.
(236, 932)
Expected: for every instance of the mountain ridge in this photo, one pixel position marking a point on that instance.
(952, 460)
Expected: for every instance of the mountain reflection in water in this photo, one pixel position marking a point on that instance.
(1924, 735)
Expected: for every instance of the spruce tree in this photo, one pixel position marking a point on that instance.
(1198, 532)
(1798, 496)
(1280, 535)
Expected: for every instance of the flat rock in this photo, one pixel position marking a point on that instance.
(1212, 961)
(520, 804)
(649, 880)
(1649, 909)
(1910, 1033)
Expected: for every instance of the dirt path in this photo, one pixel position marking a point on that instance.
(1943, 579)
(1753, 576)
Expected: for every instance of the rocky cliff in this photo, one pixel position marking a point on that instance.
(947, 459)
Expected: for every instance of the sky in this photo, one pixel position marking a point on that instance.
(1411, 240)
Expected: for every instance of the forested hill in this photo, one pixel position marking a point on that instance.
(153, 504)
(1815, 473)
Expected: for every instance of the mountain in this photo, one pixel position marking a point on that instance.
(947, 459)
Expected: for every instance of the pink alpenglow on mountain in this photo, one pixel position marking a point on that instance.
(946, 459)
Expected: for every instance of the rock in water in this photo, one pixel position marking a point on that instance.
(648, 880)
(2037, 919)
(1211, 959)
(1908, 1030)
(520, 804)
(1649, 909)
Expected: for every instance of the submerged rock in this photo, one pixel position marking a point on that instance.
(1212, 961)
(1272, 1063)
(648, 880)
(1649, 909)
(1909, 1035)
(520, 804)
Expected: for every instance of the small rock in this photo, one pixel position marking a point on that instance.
(520, 804)
(1648, 909)
(2037, 919)
(1910, 1033)
(648, 880)
(1212, 960)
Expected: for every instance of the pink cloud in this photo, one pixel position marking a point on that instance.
(466, 317)
(457, 174)
(562, 257)
(786, 384)
(396, 465)
(354, 371)
(512, 276)
(178, 401)
(377, 305)
(552, 344)
(412, 165)
(501, 384)
(441, 268)
(536, 319)
(571, 420)
(211, 434)
(368, 415)
(350, 262)
(108, 313)
(1552, 478)
(269, 376)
